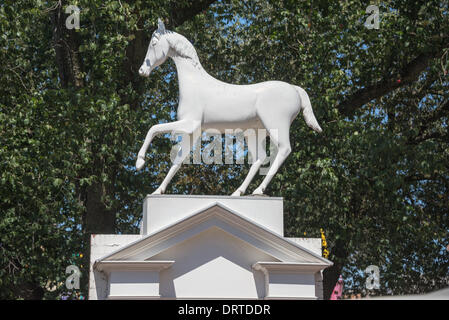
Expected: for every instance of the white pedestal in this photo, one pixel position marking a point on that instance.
(160, 211)
(206, 247)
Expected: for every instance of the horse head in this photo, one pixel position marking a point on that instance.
(157, 51)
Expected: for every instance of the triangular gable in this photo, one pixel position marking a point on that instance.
(219, 216)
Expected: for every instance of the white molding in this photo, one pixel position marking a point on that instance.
(292, 250)
(249, 197)
(288, 267)
(126, 265)
(158, 236)
(270, 268)
(282, 244)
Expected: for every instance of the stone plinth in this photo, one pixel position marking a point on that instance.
(207, 247)
(160, 211)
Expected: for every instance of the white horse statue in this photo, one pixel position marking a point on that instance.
(205, 103)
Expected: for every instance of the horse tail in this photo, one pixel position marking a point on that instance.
(307, 111)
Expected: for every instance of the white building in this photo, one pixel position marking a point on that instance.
(207, 247)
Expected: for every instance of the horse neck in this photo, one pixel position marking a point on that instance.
(190, 73)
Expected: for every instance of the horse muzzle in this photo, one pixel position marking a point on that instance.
(144, 71)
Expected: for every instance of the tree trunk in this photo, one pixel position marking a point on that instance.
(330, 278)
(66, 44)
(99, 219)
(331, 274)
(30, 291)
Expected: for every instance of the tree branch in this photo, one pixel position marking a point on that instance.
(66, 45)
(408, 75)
(182, 11)
(420, 177)
(428, 121)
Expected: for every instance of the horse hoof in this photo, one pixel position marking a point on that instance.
(158, 191)
(139, 164)
(237, 193)
(258, 192)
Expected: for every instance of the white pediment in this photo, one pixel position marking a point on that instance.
(217, 217)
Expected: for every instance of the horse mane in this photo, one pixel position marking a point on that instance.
(183, 47)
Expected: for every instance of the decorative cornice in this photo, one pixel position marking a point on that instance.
(281, 244)
(125, 265)
(268, 268)
(288, 267)
(196, 196)
(290, 250)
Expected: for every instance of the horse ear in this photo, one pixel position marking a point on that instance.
(160, 25)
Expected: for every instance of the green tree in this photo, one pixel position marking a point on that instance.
(72, 113)
(376, 180)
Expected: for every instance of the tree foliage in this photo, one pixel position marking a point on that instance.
(376, 180)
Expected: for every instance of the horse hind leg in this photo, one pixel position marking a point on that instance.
(280, 137)
(257, 151)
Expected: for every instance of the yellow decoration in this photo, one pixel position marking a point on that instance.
(324, 244)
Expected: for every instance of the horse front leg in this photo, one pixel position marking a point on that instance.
(181, 126)
(185, 151)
